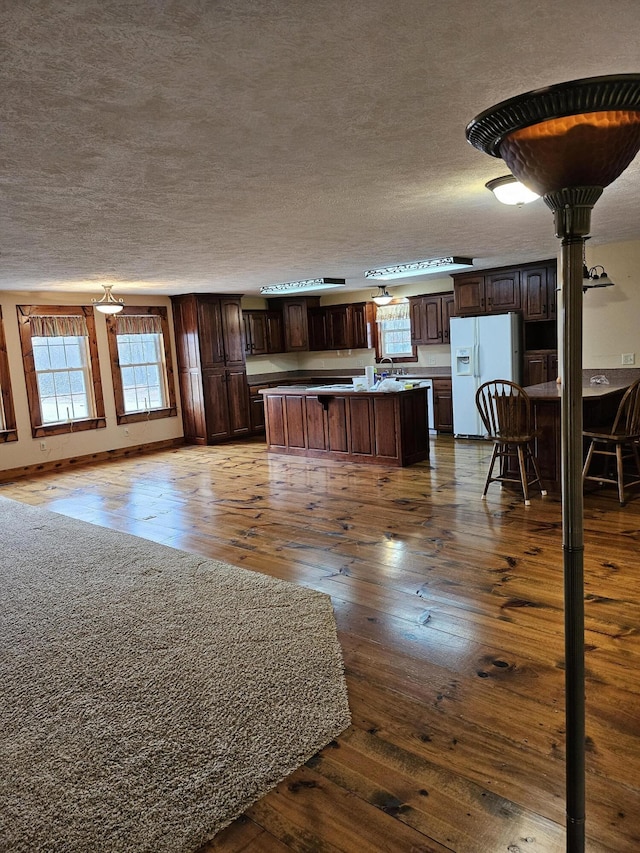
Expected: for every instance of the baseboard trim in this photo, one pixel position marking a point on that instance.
(76, 461)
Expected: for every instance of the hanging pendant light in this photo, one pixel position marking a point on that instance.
(382, 297)
(108, 304)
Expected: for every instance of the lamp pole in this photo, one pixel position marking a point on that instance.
(567, 142)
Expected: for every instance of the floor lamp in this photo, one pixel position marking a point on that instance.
(566, 143)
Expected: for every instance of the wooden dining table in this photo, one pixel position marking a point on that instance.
(599, 405)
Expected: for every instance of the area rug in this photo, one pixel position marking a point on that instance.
(148, 696)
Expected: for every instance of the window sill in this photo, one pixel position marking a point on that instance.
(151, 415)
(68, 426)
(8, 435)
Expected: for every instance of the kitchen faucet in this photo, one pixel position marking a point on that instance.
(390, 360)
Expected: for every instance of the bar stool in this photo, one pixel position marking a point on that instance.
(619, 442)
(505, 409)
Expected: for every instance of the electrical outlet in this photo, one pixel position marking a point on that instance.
(628, 358)
(43, 445)
(431, 359)
(359, 363)
(126, 430)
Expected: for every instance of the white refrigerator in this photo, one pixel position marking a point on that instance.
(482, 349)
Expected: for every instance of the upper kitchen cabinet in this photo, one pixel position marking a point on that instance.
(468, 291)
(430, 317)
(295, 321)
(529, 288)
(262, 332)
(211, 367)
(502, 291)
(539, 292)
(338, 327)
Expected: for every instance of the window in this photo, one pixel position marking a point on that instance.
(394, 331)
(8, 431)
(61, 367)
(141, 364)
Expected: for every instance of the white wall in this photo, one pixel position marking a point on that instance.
(612, 315)
(26, 451)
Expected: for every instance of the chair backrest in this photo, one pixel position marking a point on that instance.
(505, 409)
(627, 421)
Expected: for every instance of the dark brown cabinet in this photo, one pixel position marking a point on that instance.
(540, 366)
(338, 327)
(502, 291)
(443, 405)
(430, 317)
(529, 288)
(262, 332)
(469, 296)
(295, 324)
(210, 345)
(538, 286)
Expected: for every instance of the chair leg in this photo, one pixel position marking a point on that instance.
(587, 463)
(491, 464)
(523, 475)
(620, 470)
(534, 462)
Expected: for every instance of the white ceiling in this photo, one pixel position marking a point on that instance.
(220, 145)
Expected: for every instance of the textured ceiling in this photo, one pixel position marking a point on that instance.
(181, 145)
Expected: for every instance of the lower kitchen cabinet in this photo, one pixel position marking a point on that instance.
(443, 405)
(540, 366)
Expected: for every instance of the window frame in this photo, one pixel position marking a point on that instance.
(169, 411)
(38, 429)
(377, 342)
(8, 431)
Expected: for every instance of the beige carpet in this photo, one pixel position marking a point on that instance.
(148, 696)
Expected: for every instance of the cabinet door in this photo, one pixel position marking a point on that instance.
(358, 326)
(417, 320)
(255, 332)
(535, 294)
(214, 384)
(536, 367)
(448, 311)
(210, 334)
(232, 331)
(318, 334)
(237, 401)
(502, 291)
(296, 329)
(432, 309)
(469, 296)
(443, 405)
(337, 327)
(275, 341)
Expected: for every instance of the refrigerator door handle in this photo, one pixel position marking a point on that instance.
(476, 360)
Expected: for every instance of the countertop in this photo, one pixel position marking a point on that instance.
(553, 390)
(318, 376)
(333, 391)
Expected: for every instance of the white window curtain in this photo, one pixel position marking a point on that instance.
(399, 311)
(138, 324)
(57, 326)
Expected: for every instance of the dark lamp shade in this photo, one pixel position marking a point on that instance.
(585, 150)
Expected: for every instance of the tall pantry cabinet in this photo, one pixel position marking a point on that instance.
(211, 367)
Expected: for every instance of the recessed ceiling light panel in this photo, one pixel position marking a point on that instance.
(302, 286)
(428, 267)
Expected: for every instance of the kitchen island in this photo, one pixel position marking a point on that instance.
(335, 421)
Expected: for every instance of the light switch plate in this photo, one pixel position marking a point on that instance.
(628, 358)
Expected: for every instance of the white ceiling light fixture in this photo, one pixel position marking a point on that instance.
(382, 297)
(108, 304)
(302, 286)
(427, 267)
(508, 190)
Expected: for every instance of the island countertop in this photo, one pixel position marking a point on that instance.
(372, 427)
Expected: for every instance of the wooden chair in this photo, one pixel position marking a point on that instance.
(619, 442)
(505, 409)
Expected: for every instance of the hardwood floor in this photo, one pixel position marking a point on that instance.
(449, 611)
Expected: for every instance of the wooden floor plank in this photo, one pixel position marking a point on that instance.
(450, 615)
